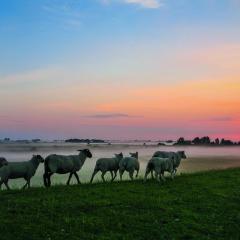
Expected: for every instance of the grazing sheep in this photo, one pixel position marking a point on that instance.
(107, 165)
(24, 170)
(62, 164)
(3, 162)
(129, 164)
(176, 156)
(159, 166)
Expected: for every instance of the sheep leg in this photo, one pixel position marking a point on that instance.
(93, 175)
(103, 174)
(29, 183)
(152, 174)
(115, 174)
(121, 173)
(24, 186)
(131, 175)
(6, 184)
(45, 179)
(137, 172)
(146, 174)
(157, 176)
(49, 179)
(76, 176)
(69, 178)
(111, 175)
(162, 177)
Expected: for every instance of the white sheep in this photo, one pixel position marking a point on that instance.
(62, 164)
(129, 164)
(24, 170)
(176, 157)
(107, 165)
(3, 162)
(159, 166)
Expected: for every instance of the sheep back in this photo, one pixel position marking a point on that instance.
(107, 164)
(63, 164)
(160, 164)
(17, 170)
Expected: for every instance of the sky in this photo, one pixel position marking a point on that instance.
(119, 69)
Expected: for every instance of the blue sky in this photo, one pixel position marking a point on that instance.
(44, 32)
(48, 46)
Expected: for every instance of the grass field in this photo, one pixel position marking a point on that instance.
(203, 205)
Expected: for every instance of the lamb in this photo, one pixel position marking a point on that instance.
(24, 170)
(159, 165)
(3, 162)
(176, 156)
(62, 164)
(129, 164)
(107, 165)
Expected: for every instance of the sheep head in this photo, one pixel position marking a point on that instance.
(39, 158)
(182, 154)
(3, 162)
(134, 155)
(86, 152)
(119, 156)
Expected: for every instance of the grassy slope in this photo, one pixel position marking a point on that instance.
(200, 206)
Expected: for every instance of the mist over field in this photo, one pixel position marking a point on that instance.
(198, 158)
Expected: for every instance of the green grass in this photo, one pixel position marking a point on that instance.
(197, 206)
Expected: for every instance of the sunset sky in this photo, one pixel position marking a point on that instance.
(119, 69)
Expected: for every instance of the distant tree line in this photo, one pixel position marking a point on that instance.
(8, 140)
(206, 141)
(88, 141)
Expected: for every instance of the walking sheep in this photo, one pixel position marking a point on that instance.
(62, 164)
(24, 170)
(129, 164)
(3, 162)
(107, 165)
(176, 157)
(159, 166)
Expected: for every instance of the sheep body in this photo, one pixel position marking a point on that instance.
(176, 157)
(62, 164)
(129, 164)
(107, 165)
(159, 166)
(3, 162)
(24, 170)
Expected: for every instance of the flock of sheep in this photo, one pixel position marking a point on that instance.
(160, 162)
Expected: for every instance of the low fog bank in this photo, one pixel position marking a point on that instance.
(199, 158)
